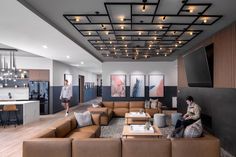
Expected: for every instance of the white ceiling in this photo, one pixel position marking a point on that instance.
(22, 29)
(17, 53)
(52, 11)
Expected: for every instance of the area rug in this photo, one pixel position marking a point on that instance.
(115, 128)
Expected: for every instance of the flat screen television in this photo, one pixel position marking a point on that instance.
(199, 67)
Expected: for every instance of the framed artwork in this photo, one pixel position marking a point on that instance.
(118, 83)
(156, 85)
(69, 78)
(137, 85)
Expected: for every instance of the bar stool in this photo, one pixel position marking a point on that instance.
(8, 109)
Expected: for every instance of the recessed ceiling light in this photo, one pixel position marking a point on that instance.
(67, 57)
(149, 48)
(101, 48)
(127, 54)
(107, 55)
(82, 62)
(155, 38)
(122, 19)
(170, 50)
(89, 33)
(160, 48)
(107, 33)
(139, 33)
(180, 42)
(110, 42)
(157, 53)
(191, 33)
(122, 27)
(176, 45)
(161, 27)
(205, 20)
(122, 38)
(125, 45)
(45, 46)
(165, 55)
(191, 10)
(114, 48)
(77, 18)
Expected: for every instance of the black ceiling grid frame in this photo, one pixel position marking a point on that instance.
(157, 38)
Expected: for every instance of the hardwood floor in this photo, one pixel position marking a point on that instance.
(11, 138)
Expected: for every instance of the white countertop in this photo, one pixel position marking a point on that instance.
(16, 102)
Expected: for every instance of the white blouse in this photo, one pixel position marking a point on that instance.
(66, 92)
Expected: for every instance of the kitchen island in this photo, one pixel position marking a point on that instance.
(28, 110)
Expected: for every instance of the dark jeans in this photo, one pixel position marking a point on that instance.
(184, 123)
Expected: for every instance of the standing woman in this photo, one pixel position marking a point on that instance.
(66, 94)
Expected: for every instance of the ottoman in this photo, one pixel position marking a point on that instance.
(175, 117)
(159, 120)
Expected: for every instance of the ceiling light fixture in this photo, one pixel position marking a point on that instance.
(126, 51)
(176, 45)
(107, 33)
(114, 48)
(89, 33)
(155, 38)
(191, 10)
(77, 19)
(139, 33)
(125, 45)
(82, 62)
(149, 48)
(205, 20)
(122, 38)
(122, 19)
(45, 46)
(164, 17)
(68, 57)
(165, 54)
(161, 27)
(160, 48)
(122, 27)
(157, 53)
(144, 8)
(190, 33)
(127, 54)
(110, 42)
(107, 55)
(101, 48)
(180, 42)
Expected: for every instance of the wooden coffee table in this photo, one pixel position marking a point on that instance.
(129, 133)
(136, 118)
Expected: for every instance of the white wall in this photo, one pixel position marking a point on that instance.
(168, 69)
(59, 69)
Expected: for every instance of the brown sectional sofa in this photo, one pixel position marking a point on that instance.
(207, 146)
(119, 108)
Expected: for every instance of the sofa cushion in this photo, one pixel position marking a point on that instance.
(136, 109)
(102, 110)
(120, 112)
(93, 147)
(62, 127)
(73, 122)
(121, 104)
(95, 129)
(207, 146)
(75, 135)
(47, 147)
(48, 133)
(83, 119)
(136, 104)
(194, 130)
(108, 104)
(146, 147)
(151, 111)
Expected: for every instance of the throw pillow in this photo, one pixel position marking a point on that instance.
(83, 119)
(154, 103)
(147, 104)
(194, 130)
(96, 105)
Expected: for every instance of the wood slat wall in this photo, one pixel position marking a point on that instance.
(224, 58)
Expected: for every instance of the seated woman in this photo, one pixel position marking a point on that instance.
(192, 115)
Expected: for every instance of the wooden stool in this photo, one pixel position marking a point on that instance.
(10, 109)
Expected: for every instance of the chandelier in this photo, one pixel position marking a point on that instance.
(8, 70)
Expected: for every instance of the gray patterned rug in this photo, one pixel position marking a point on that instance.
(115, 127)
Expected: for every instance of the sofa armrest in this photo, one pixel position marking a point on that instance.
(101, 110)
(96, 118)
(47, 147)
